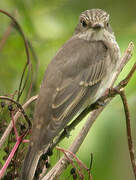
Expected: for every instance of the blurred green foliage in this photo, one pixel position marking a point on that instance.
(48, 24)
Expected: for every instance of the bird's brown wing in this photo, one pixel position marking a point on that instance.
(74, 92)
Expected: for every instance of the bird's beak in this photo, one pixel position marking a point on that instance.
(97, 26)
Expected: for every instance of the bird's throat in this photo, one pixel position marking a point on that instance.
(92, 35)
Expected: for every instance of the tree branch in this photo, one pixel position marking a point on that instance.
(128, 129)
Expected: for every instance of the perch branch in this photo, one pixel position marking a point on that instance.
(62, 164)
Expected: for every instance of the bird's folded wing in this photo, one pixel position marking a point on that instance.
(74, 92)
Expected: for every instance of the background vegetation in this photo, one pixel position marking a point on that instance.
(48, 24)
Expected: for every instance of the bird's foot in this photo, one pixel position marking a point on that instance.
(110, 92)
(99, 103)
(67, 132)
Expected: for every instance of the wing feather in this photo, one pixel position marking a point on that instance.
(66, 99)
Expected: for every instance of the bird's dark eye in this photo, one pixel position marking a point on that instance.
(107, 24)
(84, 24)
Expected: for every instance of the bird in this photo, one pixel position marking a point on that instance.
(77, 76)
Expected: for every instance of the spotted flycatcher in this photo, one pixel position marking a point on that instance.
(77, 76)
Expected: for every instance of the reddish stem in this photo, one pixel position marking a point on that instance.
(2, 171)
(19, 139)
(80, 163)
(26, 141)
(70, 160)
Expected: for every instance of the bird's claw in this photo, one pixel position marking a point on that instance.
(67, 132)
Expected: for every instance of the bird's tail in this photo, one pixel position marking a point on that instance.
(30, 164)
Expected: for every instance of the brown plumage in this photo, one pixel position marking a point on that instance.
(76, 77)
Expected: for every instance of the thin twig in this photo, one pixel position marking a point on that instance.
(35, 58)
(20, 90)
(129, 76)
(71, 161)
(26, 48)
(90, 167)
(33, 74)
(128, 129)
(20, 107)
(63, 163)
(81, 165)
(17, 115)
(14, 149)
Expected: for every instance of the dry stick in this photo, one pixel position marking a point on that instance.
(17, 115)
(128, 129)
(61, 165)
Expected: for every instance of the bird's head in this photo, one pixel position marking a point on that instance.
(93, 21)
